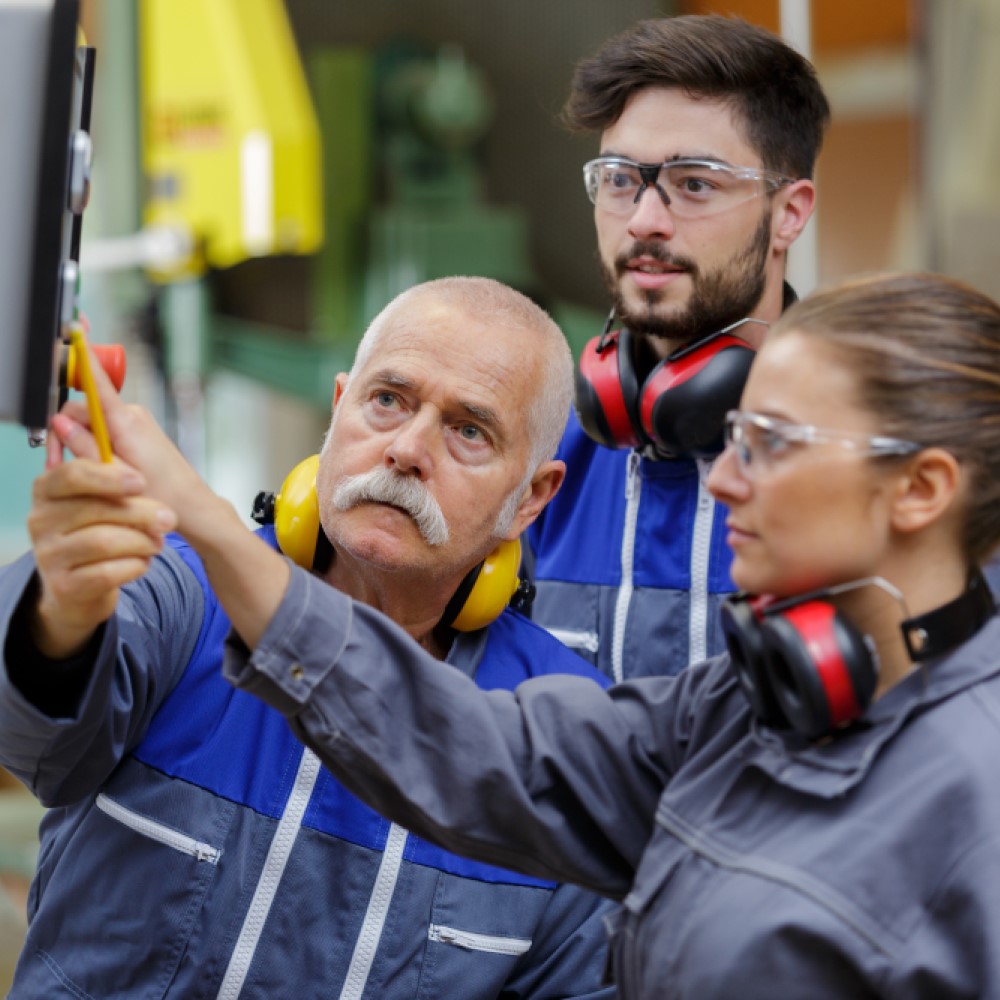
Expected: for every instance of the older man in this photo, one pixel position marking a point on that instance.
(195, 847)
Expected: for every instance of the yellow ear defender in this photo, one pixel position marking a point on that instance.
(486, 590)
(482, 596)
(296, 513)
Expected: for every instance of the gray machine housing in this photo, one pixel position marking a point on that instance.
(46, 81)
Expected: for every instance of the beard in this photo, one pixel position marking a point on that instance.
(719, 297)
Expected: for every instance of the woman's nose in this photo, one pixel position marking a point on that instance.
(727, 481)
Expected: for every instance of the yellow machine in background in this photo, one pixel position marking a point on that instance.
(235, 125)
(231, 149)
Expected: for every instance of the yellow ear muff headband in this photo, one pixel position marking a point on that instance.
(294, 511)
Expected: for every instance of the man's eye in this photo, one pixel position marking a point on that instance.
(692, 182)
(620, 180)
(470, 432)
(385, 399)
(697, 185)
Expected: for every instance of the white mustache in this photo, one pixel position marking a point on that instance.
(382, 485)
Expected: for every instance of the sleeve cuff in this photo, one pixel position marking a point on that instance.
(53, 687)
(299, 647)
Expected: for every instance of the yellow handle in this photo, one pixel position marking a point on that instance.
(81, 360)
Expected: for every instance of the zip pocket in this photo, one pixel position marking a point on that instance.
(159, 832)
(471, 941)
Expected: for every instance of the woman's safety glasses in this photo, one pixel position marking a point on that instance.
(759, 442)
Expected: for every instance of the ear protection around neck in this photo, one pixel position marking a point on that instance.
(294, 511)
(804, 666)
(678, 408)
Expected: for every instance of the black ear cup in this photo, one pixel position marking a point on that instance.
(805, 666)
(745, 642)
(821, 669)
(684, 401)
(679, 407)
(802, 666)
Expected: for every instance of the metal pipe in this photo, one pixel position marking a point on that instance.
(803, 257)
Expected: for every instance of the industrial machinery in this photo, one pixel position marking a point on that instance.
(46, 78)
(403, 129)
(230, 149)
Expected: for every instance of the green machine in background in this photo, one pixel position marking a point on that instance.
(402, 131)
(433, 218)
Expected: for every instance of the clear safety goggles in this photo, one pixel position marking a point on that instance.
(690, 188)
(760, 441)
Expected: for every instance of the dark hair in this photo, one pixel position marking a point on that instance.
(926, 353)
(772, 89)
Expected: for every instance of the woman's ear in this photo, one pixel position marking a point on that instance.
(926, 489)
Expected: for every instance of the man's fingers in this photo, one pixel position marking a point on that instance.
(76, 409)
(68, 515)
(85, 567)
(88, 476)
(88, 551)
(86, 595)
(53, 451)
(75, 436)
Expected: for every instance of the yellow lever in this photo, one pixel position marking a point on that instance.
(82, 361)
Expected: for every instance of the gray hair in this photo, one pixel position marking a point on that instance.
(493, 303)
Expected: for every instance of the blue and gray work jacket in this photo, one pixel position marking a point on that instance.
(630, 560)
(194, 848)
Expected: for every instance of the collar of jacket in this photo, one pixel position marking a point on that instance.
(835, 764)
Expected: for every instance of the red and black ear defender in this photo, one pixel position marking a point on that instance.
(804, 666)
(481, 597)
(679, 408)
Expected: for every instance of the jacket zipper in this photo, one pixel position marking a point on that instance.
(577, 638)
(633, 489)
(471, 941)
(701, 551)
(270, 876)
(378, 909)
(159, 832)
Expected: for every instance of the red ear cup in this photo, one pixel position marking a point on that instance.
(680, 407)
(740, 620)
(822, 671)
(606, 392)
(805, 666)
(684, 401)
(802, 666)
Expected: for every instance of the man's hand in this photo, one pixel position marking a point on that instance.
(91, 532)
(138, 441)
(247, 575)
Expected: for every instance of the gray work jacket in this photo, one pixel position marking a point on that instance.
(748, 863)
(195, 849)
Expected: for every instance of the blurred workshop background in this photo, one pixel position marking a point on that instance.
(268, 173)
